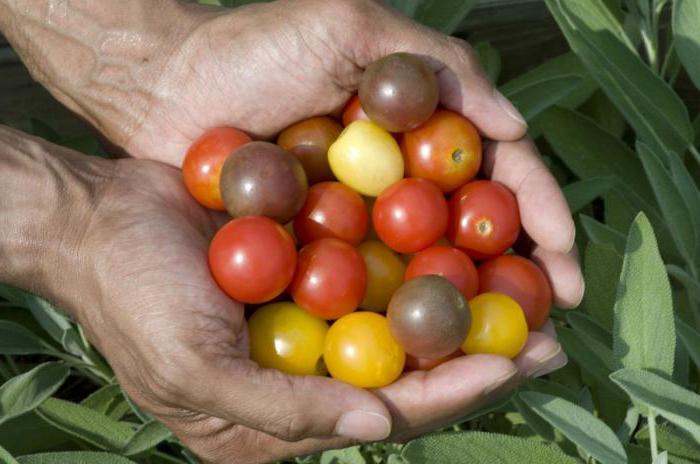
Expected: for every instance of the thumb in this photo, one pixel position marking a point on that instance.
(464, 86)
(292, 407)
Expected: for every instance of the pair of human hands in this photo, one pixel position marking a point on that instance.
(177, 343)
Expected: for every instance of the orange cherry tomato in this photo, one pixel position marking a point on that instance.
(353, 111)
(446, 150)
(330, 280)
(201, 169)
(332, 210)
(410, 215)
(484, 219)
(361, 351)
(252, 258)
(522, 280)
(309, 141)
(385, 272)
(449, 263)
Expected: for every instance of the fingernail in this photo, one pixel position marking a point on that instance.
(363, 425)
(509, 108)
(499, 382)
(549, 364)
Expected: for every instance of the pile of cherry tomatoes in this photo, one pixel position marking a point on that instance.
(375, 226)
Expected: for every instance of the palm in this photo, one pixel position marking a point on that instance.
(152, 242)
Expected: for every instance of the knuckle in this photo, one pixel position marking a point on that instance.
(165, 383)
(464, 51)
(293, 427)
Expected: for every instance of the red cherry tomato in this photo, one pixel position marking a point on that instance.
(410, 215)
(449, 263)
(425, 364)
(353, 111)
(330, 280)
(201, 169)
(484, 219)
(252, 258)
(332, 210)
(522, 280)
(446, 150)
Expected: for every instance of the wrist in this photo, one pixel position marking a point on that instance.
(48, 199)
(103, 60)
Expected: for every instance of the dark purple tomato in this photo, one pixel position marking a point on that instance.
(262, 179)
(399, 92)
(429, 317)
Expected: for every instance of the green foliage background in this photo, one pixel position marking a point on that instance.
(624, 147)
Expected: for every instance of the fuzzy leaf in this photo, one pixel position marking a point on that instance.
(644, 332)
(675, 403)
(25, 392)
(481, 447)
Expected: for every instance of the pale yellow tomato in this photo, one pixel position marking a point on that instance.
(385, 272)
(366, 158)
(498, 326)
(285, 337)
(361, 351)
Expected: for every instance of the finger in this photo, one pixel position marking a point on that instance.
(423, 400)
(564, 273)
(464, 86)
(541, 355)
(289, 407)
(219, 441)
(548, 329)
(544, 213)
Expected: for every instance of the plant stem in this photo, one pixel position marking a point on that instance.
(695, 153)
(652, 435)
(650, 48)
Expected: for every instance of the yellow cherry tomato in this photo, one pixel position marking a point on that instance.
(366, 158)
(498, 326)
(385, 272)
(361, 351)
(285, 337)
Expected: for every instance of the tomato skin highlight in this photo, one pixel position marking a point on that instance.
(252, 258)
(309, 140)
(448, 262)
(484, 219)
(522, 280)
(498, 326)
(330, 279)
(201, 169)
(361, 351)
(285, 337)
(410, 215)
(353, 111)
(332, 210)
(446, 150)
